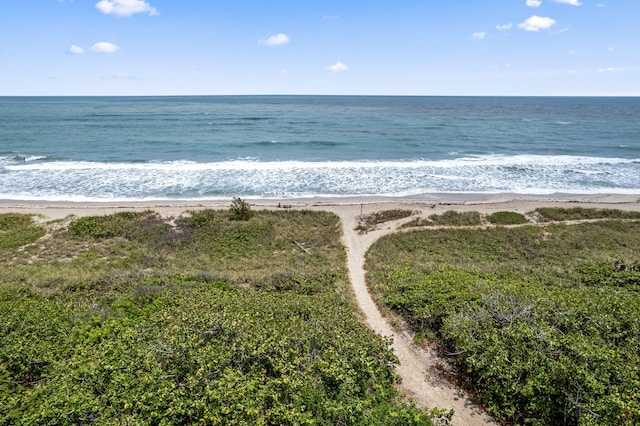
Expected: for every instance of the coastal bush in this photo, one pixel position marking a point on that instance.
(550, 214)
(145, 225)
(454, 218)
(240, 209)
(200, 353)
(506, 218)
(541, 323)
(126, 319)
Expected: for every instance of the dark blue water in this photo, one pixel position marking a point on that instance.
(135, 148)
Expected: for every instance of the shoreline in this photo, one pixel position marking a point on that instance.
(484, 203)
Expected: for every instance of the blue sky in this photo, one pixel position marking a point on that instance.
(351, 47)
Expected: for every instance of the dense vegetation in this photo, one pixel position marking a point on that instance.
(548, 214)
(506, 218)
(542, 322)
(134, 319)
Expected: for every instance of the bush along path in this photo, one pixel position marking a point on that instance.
(422, 379)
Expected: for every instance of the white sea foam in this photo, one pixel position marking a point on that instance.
(252, 164)
(526, 174)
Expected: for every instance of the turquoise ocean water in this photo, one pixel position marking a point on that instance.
(155, 148)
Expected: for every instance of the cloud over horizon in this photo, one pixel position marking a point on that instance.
(571, 2)
(125, 7)
(276, 40)
(338, 67)
(76, 50)
(105, 47)
(538, 3)
(537, 23)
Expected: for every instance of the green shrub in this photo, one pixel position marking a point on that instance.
(542, 323)
(193, 352)
(131, 225)
(198, 219)
(616, 274)
(240, 209)
(454, 218)
(550, 214)
(126, 319)
(507, 218)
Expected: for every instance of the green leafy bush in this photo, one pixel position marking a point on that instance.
(507, 218)
(542, 323)
(127, 319)
(454, 218)
(131, 225)
(240, 209)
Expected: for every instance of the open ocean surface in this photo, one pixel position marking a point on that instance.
(155, 148)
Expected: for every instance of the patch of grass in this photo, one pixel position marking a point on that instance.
(550, 214)
(145, 225)
(369, 221)
(17, 230)
(506, 218)
(454, 218)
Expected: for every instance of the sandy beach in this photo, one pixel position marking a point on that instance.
(427, 204)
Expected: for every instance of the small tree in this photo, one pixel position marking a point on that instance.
(240, 209)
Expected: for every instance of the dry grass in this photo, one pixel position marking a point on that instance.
(369, 222)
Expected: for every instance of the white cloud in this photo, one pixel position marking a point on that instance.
(479, 35)
(571, 2)
(76, 50)
(504, 27)
(610, 69)
(276, 40)
(338, 67)
(534, 3)
(104, 47)
(125, 7)
(537, 23)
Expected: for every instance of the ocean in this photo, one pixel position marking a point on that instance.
(284, 147)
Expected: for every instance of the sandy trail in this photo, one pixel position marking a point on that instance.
(420, 378)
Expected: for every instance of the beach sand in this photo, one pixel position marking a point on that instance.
(427, 204)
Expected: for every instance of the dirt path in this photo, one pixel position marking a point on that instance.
(420, 378)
